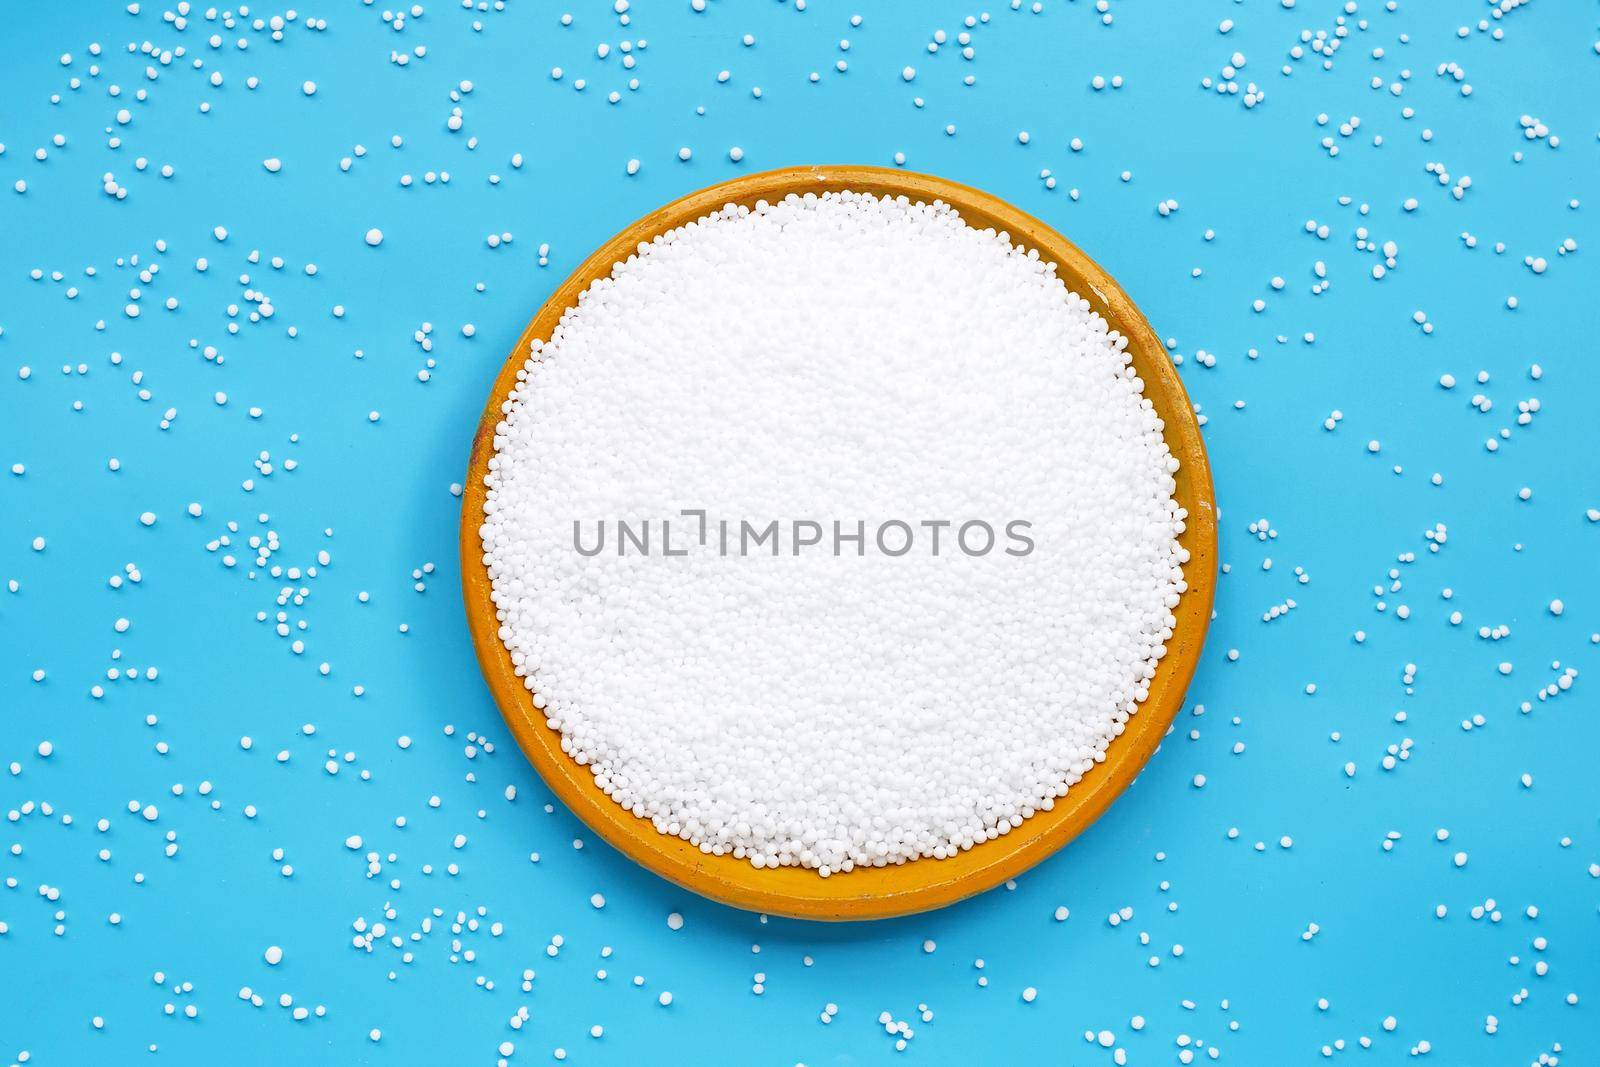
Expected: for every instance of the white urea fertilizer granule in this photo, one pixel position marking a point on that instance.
(833, 532)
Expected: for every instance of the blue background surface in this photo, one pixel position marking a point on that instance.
(377, 497)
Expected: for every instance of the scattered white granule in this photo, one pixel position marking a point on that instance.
(837, 359)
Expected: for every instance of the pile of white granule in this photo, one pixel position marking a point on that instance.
(833, 532)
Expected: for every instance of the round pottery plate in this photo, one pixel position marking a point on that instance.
(873, 892)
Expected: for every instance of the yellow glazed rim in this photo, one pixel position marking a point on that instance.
(919, 885)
